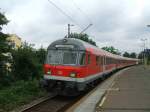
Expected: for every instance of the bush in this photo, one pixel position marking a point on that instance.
(21, 92)
(25, 64)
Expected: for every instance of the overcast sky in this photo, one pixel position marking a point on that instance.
(118, 23)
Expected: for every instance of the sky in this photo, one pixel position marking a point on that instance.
(118, 23)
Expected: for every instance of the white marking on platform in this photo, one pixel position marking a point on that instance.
(102, 102)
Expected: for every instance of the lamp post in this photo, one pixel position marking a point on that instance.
(147, 57)
(144, 48)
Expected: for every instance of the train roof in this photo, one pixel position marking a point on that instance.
(77, 44)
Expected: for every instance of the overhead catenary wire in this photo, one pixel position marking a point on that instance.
(69, 17)
(82, 12)
(86, 16)
(65, 14)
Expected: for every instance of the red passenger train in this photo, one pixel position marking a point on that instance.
(72, 65)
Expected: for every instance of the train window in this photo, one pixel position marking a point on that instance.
(54, 57)
(97, 60)
(102, 60)
(82, 59)
(89, 59)
(110, 61)
(107, 61)
(69, 58)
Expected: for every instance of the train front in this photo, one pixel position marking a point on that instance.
(64, 69)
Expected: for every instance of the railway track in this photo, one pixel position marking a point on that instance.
(54, 103)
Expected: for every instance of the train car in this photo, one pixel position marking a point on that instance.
(72, 65)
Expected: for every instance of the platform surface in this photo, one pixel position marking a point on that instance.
(130, 92)
(89, 101)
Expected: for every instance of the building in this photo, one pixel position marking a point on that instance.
(14, 41)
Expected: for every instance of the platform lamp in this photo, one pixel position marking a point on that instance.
(144, 48)
(148, 25)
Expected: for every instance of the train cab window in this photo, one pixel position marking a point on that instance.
(54, 57)
(69, 58)
(82, 58)
(89, 59)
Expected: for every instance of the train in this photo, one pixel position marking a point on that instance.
(72, 66)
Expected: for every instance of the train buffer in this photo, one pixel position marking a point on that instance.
(126, 91)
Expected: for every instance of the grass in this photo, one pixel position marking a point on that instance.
(19, 93)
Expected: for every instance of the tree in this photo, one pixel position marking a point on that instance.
(25, 63)
(129, 55)
(112, 50)
(83, 37)
(126, 54)
(133, 55)
(140, 55)
(4, 49)
(41, 54)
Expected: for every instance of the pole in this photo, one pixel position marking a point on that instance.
(69, 25)
(68, 30)
(144, 48)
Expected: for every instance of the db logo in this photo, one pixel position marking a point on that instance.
(59, 72)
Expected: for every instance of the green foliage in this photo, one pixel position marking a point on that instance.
(41, 54)
(112, 50)
(126, 54)
(3, 20)
(26, 67)
(4, 58)
(129, 55)
(140, 55)
(83, 37)
(19, 93)
(25, 63)
(133, 55)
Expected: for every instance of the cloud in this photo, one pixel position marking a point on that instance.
(119, 23)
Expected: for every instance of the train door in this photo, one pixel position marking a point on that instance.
(88, 63)
(103, 63)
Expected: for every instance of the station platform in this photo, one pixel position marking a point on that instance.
(126, 91)
(130, 92)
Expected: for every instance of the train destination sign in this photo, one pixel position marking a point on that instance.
(64, 46)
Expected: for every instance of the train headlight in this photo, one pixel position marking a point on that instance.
(73, 75)
(49, 72)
